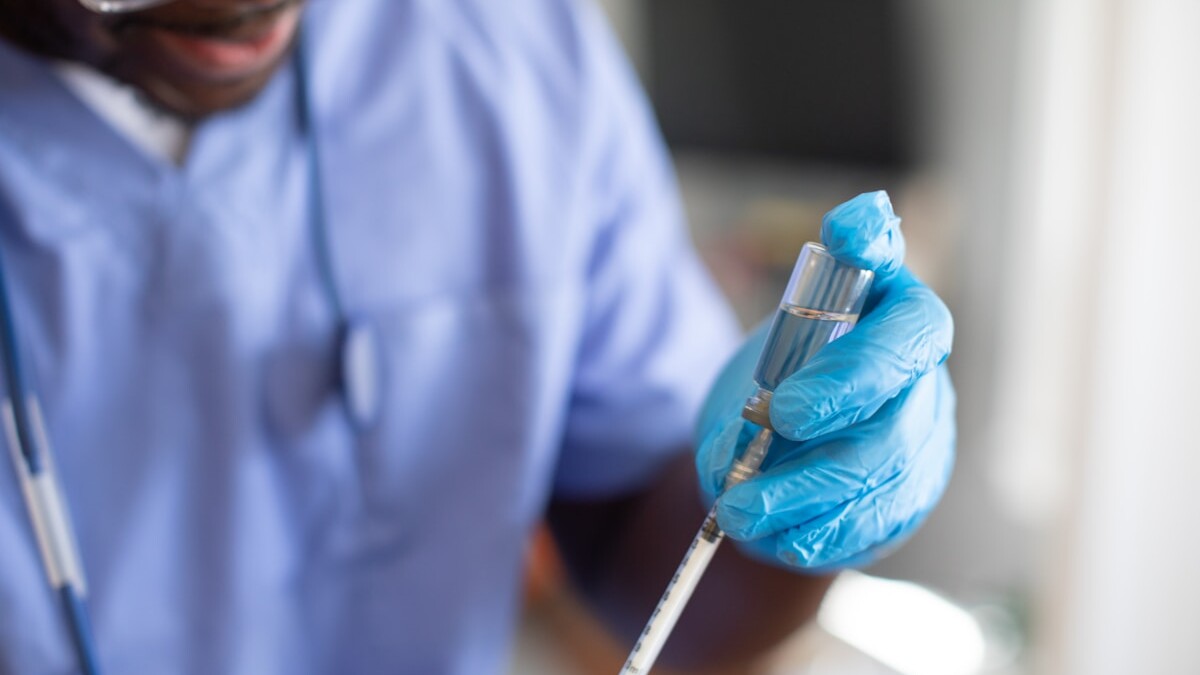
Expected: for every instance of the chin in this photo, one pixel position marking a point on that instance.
(195, 66)
(195, 101)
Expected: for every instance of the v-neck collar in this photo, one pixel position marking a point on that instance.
(239, 161)
(152, 129)
(35, 105)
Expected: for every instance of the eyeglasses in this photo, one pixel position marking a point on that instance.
(119, 6)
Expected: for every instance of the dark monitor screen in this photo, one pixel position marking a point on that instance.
(812, 80)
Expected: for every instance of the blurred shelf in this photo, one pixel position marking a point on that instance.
(749, 218)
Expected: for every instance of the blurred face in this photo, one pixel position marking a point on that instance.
(192, 57)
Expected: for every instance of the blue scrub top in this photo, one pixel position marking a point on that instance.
(500, 205)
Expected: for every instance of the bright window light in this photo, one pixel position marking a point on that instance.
(904, 626)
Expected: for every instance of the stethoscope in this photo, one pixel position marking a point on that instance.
(359, 384)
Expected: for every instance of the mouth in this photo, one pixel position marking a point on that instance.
(218, 47)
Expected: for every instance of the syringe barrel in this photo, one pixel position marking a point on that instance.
(822, 302)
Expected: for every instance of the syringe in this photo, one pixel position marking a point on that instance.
(822, 302)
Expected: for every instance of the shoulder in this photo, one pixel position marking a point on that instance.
(552, 35)
(560, 43)
(528, 86)
(549, 68)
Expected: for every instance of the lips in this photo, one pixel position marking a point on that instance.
(227, 51)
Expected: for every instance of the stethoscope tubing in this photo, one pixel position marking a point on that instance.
(30, 448)
(42, 490)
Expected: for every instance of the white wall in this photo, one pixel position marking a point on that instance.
(977, 543)
(1102, 335)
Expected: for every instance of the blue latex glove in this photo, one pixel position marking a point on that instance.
(865, 430)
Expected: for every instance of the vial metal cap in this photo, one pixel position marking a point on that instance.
(823, 284)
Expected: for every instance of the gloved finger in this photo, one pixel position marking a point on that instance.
(853, 562)
(718, 451)
(806, 480)
(842, 534)
(865, 232)
(766, 550)
(734, 385)
(880, 519)
(908, 333)
(834, 500)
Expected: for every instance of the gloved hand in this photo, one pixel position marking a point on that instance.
(865, 430)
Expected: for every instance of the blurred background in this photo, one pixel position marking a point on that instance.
(1045, 157)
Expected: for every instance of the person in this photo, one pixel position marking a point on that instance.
(201, 199)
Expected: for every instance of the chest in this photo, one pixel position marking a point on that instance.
(183, 343)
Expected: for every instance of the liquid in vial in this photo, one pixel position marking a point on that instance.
(797, 334)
